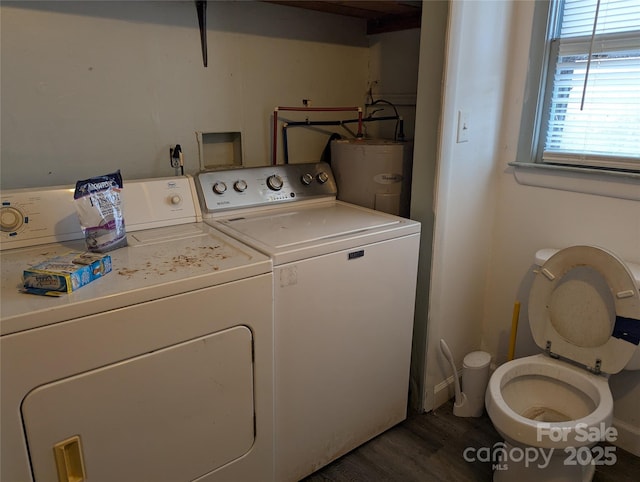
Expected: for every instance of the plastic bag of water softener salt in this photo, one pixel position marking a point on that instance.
(99, 207)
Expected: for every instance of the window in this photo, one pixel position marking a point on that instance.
(589, 114)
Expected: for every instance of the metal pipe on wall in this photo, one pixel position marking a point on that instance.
(274, 159)
(341, 123)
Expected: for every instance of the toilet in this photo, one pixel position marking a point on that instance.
(551, 408)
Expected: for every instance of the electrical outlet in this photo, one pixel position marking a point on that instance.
(463, 127)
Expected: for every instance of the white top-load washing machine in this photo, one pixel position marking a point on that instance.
(344, 292)
(161, 370)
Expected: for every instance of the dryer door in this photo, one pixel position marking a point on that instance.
(172, 414)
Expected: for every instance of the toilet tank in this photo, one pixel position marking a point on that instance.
(543, 255)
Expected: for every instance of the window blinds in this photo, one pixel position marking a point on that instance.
(593, 103)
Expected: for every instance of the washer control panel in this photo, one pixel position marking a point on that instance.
(223, 190)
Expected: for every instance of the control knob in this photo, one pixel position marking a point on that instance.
(322, 177)
(306, 179)
(275, 182)
(175, 199)
(11, 219)
(240, 185)
(219, 187)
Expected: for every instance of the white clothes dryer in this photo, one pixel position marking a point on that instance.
(161, 370)
(344, 293)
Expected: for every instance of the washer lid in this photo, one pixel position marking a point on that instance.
(584, 302)
(302, 230)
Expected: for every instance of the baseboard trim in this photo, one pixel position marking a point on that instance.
(628, 437)
(443, 392)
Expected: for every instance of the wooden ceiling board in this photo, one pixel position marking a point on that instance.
(381, 15)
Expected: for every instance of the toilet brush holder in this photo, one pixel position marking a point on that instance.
(475, 377)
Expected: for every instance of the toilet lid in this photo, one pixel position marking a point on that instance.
(585, 303)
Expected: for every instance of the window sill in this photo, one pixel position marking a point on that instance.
(622, 185)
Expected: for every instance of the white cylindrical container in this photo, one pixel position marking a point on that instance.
(374, 173)
(475, 377)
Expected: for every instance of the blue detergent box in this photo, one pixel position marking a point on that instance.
(66, 273)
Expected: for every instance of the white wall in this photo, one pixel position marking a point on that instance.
(393, 75)
(89, 87)
(530, 218)
(465, 185)
(432, 54)
(488, 227)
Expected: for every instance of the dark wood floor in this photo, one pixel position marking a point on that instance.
(430, 446)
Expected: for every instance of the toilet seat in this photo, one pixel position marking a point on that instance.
(584, 306)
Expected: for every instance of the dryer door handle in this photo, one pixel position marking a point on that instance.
(69, 460)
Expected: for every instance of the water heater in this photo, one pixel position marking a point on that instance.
(374, 173)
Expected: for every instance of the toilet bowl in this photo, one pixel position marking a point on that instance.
(550, 408)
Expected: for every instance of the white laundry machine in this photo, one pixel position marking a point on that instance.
(344, 293)
(161, 370)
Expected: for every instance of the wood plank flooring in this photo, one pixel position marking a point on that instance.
(430, 446)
